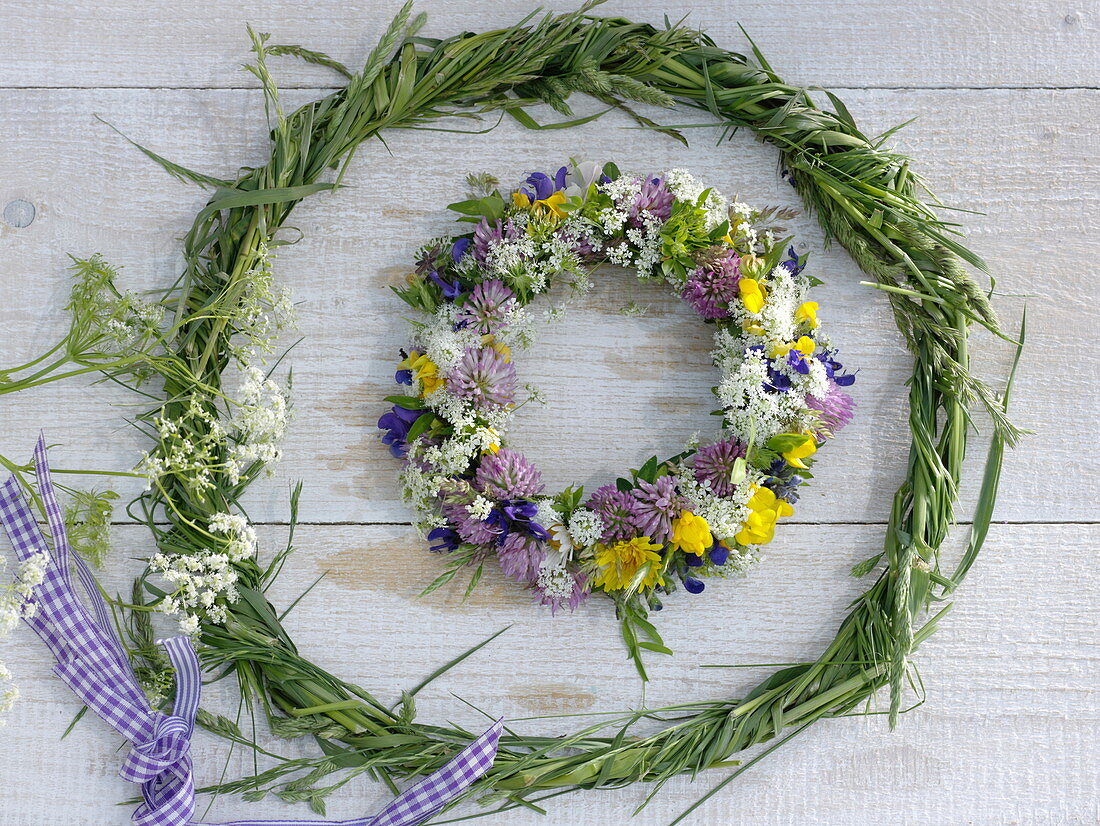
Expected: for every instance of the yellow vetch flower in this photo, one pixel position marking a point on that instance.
(492, 438)
(805, 345)
(491, 341)
(766, 509)
(691, 534)
(424, 370)
(545, 206)
(807, 312)
(753, 294)
(796, 454)
(620, 563)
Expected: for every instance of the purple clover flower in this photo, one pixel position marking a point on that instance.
(484, 375)
(507, 474)
(520, 556)
(487, 236)
(715, 463)
(835, 410)
(658, 504)
(619, 512)
(654, 198)
(710, 288)
(487, 306)
(469, 529)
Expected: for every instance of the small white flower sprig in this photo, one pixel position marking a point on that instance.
(705, 512)
(16, 604)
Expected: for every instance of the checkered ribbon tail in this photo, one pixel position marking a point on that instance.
(91, 661)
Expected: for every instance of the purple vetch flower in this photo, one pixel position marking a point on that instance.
(458, 249)
(654, 198)
(693, 585)
(834, 411)
(451, 289)
(719, 554)
(658, 504)
(792, 262)
(799, 361)
(619, 512)
(541, 186)
(487, 236)
(484, 375)
(520, 556)
(507, 474)
(715, 463)
(784, 483)
(517, 516)
(397, 423)
(443, 540)
(487, 306)
(833, 367)
(710, 288)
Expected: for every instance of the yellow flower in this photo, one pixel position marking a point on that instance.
(691, 534)
(551, 206)
(805, 345)
(808, 312)
(502, 348)
(765, 509)
(622, 562)
(752, 294)
(796, 454)
(424, 370)
(490, 438)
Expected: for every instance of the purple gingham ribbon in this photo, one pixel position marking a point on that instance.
(91, 661)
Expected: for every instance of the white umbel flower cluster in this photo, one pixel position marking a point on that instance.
(203, 584)
(16, 602)
(258, 424)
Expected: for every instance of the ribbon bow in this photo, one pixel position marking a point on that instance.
(91, 661)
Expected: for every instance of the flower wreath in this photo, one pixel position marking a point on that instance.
(208, 446)
(705, 512)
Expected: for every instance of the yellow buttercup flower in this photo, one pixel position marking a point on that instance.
(765, 509)
(424, 370)
(806, 449)
(753, 294)
(807, 312)
(691, 534)
(621, 562)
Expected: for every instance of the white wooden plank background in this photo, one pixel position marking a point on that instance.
(1008, 99)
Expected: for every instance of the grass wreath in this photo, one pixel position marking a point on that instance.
(209, 444)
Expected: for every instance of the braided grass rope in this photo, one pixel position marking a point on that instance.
(865, 197)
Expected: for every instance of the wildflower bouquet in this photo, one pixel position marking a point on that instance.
(705, 512)
(866, 197)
